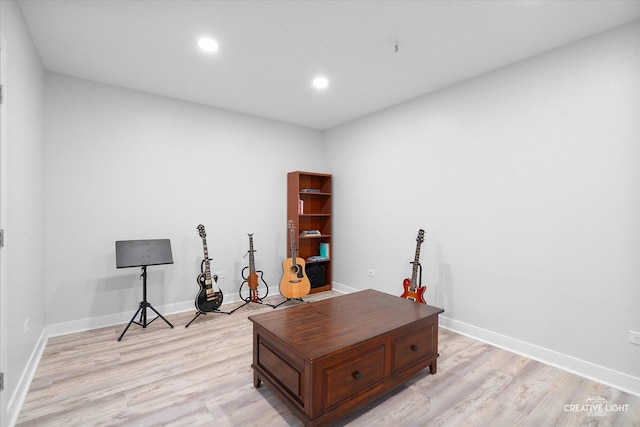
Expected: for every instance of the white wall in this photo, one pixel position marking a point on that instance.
(24, 222)
(526, 181)
(127, 165)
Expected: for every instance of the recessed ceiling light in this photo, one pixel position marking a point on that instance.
(207, 44)
(320, 82)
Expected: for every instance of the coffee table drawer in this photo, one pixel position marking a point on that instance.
(280, 370)
(413, 347)
(352, 375)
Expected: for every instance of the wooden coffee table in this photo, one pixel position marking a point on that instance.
(330, 357)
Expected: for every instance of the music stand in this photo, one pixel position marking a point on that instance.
(142, 253)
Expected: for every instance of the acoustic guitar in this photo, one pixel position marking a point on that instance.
(254, 277)
(208, 299)
(411, 289)
(294, 283)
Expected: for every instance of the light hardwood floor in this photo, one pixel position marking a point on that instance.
(201, 375)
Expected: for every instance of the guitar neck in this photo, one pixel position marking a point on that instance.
(293, 245)
(207, 267)
(252, 264)
(416, 263)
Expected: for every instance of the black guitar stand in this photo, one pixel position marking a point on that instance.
(205, 313)
(248, 301)
(290, 299)
(198, 313)
(142, 309)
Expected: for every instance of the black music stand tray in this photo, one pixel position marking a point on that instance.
(142, 253)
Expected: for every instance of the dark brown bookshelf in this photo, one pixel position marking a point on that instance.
(314, 191)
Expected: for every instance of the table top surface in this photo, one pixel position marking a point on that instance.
(319, 328)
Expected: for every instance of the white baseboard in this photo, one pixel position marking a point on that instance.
(601, 374)
(20, 394)
(344, 289)
(90, 323)
(81, 325)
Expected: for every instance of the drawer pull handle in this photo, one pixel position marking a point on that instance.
(414, 347)
(357, 375)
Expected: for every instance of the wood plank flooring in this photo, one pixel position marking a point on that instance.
(201, 376)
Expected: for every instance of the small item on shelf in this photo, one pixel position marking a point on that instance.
(324, 250)
(310, 190)
(317, 258)
(317, 275)
(300, 207)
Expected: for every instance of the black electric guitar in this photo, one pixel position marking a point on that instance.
(253, 279)
(294, 283)
(411, 289)
(208, 299)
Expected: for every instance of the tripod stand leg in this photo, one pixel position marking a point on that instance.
(288, 299)
(159, 315)
(194, 318)
(265, 303)
(239, 307)
(130, 322)
(281, 302)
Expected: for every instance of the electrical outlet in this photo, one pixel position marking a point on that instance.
(371, 273)
(220, 274)
(634, 337)
(26, 326)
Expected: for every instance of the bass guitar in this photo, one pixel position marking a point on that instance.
(294, 283)
(252, 280)
(208, 299)
(411, 289)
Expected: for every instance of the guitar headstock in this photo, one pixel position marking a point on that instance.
(201, 231)
(420, 237)
(291, 225)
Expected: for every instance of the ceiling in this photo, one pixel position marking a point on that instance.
(269, 51)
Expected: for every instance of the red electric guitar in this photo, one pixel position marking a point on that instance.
(411, 289)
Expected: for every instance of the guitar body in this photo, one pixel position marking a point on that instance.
(294, 283)
(416, 296)
(207, 299)
(252, 281)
